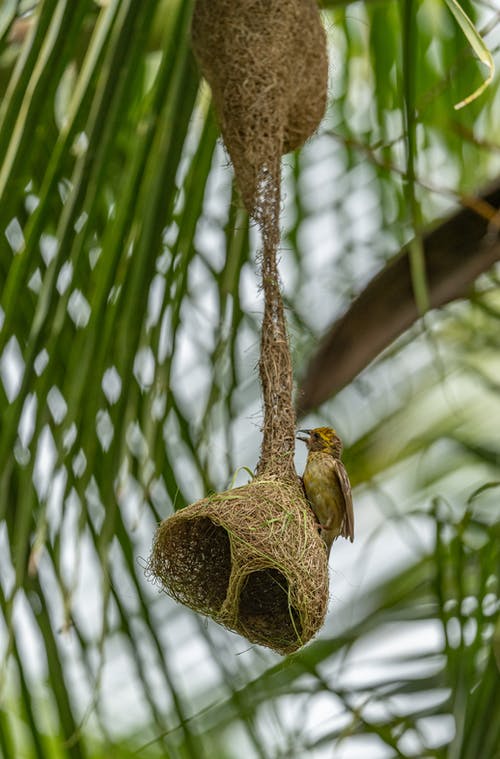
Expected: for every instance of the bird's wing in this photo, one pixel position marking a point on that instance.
(348, 526)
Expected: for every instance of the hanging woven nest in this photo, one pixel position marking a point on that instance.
(251, 557)
(267, 66)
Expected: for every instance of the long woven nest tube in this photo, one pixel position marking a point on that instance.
(252, 558)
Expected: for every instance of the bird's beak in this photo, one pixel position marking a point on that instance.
(301, 433)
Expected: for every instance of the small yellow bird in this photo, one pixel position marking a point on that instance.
(327, 485)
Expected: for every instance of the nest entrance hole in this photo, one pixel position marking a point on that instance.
(187, 550)
(264, 606)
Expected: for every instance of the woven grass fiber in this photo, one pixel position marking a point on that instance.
(252, 559)
(267, 65)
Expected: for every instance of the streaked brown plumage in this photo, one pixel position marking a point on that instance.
(327, 485)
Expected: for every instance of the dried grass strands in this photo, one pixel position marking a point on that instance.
(252, 557)
(267, 66)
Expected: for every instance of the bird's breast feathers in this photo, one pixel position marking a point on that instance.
(329, 492)
(321, 483)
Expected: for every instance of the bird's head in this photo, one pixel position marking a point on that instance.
(322, 439)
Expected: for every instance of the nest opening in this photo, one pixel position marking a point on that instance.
(265, 596)
(184, 553)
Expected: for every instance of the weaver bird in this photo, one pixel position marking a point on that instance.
(327, 485)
